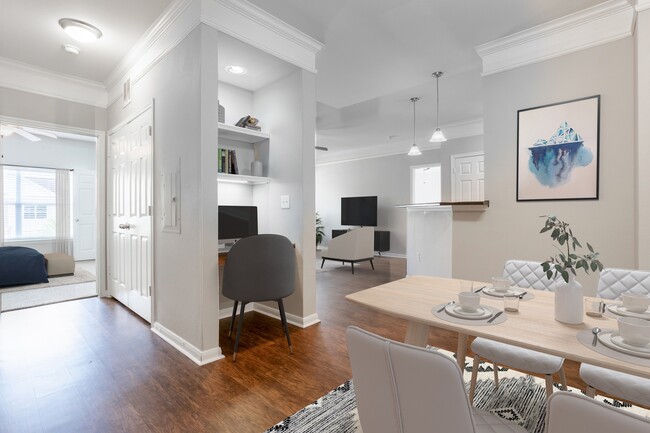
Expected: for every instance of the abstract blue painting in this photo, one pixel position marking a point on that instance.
(563, 166)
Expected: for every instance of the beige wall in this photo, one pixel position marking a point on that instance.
(482, 242)
(642, 39)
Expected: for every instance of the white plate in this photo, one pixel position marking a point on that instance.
(622, 311)
(613, 340)
(480, 313)
(490, 291)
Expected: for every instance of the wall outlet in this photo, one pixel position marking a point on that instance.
(285, 202)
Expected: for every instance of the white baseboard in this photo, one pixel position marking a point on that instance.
(226, 313)
(200, 357)
(302, 322)
(389, 254)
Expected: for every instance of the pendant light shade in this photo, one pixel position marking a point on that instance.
(438, 136)
(414, 150)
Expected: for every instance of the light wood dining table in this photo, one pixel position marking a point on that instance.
(532, 327)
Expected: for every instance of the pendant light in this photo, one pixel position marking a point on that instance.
(437, 136)
(414, 150)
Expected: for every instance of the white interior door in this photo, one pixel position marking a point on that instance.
(467, 177)
(130, 214)
(84, 215)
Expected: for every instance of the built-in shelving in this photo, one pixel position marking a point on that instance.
(237, 133)
(467, 206)
(242, 178)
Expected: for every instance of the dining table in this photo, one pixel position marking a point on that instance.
(533, 326)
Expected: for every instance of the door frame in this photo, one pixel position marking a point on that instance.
(452, 161)
(100, 187)
(76, 201)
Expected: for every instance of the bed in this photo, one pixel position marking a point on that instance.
(21, 265)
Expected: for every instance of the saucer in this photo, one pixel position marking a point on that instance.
(622, 311)
(613, 340)
(490, 291)
(480, 313)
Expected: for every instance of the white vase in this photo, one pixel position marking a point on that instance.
(569, 304)
(256, 168)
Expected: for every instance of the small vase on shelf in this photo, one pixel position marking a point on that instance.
(569, 301)
(256, 168)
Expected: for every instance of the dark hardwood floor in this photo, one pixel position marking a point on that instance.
(93, 366)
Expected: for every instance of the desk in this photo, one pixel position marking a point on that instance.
(533, 327)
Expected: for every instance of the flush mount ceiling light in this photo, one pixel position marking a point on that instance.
(237, 70)
(79, 30)
(414, 150)
(437, 136)
(71, 49)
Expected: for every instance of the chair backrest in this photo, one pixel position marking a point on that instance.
(406, 389)
(353, 245)
(571, 412)
(614, 282)
(523, 273)
(260, 268)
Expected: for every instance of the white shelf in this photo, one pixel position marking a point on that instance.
(242, 178)
(236, 133)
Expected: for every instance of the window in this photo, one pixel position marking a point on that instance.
(425, 184)
(29, 202)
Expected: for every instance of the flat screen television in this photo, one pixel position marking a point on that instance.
(359, 211)
(237, 222)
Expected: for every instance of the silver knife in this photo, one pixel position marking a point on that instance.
(495, 316)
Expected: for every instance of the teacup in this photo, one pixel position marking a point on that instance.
(634, 331)
(635, 303)
(469, 301)
(500, 284)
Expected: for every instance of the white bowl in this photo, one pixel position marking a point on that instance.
(500, 284)
(469, 301)
(634, 331)
(635, 303)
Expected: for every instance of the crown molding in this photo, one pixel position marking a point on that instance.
(641, 5)
(28, 78)
(253, 25)
(467, 128)
(594, 26)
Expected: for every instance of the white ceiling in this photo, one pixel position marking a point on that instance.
(377, 55)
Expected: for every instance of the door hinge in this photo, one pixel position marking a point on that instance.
(150, 130)
(149, 210)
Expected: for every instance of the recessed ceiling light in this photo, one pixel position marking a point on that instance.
(71, 49)
(237, 70)
(79, 30)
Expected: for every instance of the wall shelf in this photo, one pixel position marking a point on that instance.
(456, 206)
(236, 133)
(243, 179)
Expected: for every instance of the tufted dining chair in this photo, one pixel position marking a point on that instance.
(570, 412)
(611, 285)
(407, 389)
(525, 274)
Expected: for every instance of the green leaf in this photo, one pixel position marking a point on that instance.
(545, 229)
(576, 242)
(565, 276)
(549, 274)
(590, 247)
(594, 266)
(555, 233)
(561, 240)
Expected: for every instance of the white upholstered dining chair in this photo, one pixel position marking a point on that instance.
(570, 412)
(408, 389)
(611, 285)
(524, 274)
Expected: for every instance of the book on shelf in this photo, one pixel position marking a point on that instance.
(227, 162)
(254, 128)
(235, 169)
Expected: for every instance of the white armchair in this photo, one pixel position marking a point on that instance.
(352, 247)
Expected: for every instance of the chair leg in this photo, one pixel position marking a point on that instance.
(562, 379)
(373, 266)
(322, 263)
(590, 391)
(232, 319)
(240, 322)
(352, 268)
(549, 384)
(472, 383)
(495, 367)
(283, 317)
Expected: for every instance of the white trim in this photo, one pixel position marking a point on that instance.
(28, 78)
(452, 163)
(393, 255)
(200, 357)
(606, 22)
(226, 313)
(642, 5)
(302, 322)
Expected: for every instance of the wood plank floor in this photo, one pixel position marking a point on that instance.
(93, 366)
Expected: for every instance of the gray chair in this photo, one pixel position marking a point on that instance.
(570, 412)
(257, 269)
(408, 389)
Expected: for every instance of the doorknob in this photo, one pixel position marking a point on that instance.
(126, 226)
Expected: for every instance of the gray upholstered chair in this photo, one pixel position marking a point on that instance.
(571, 412)
(259, 268)
(529, 274)
(408, 389)
(611, 285)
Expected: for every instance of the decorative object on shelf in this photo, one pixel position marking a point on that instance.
(414, 150)
(320, 230)
(569, 304)
(222, 113)
(437, 136)
(564, 166)
(249, 122)
(256, 168)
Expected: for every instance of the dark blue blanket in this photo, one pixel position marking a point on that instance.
(21, 265)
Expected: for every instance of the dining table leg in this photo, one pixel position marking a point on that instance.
(416, 334)
(461, 350)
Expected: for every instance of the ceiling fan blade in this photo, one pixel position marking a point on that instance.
(39, 132)
(6, 130)
(27, 135)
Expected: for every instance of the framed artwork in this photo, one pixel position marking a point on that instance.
(557, 151)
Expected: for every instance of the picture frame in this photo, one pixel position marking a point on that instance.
(558, 151)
